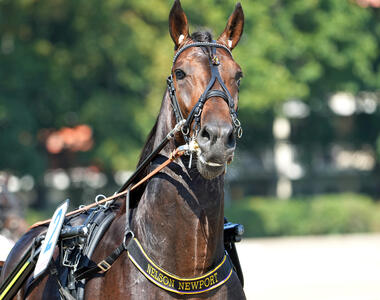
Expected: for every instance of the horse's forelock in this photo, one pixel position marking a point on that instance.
(202, 36)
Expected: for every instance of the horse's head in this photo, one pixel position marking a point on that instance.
(206, 81)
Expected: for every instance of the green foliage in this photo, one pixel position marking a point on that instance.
(341, 214)
(326, 214)
(71, 62)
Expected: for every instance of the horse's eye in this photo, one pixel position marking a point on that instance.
(179, 74)
(238, 77)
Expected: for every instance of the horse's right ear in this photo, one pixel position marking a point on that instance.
(178, 26)
(234, 28)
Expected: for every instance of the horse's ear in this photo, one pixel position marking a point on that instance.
(178, 26)
(234, 28)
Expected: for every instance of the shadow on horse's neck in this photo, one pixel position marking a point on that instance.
(179, 218)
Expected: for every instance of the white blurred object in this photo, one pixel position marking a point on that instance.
(281, 128)
(343, 104)
(296, 109)
(361, 159)
(6, 247)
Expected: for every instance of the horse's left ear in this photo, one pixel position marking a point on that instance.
(234, 28)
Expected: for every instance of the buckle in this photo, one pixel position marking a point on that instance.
(215, 60)
(104, 266)
(125, 244)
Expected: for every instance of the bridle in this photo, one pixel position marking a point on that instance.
(195, 113)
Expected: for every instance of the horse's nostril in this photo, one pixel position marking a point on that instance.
(217, 135)
(205, 134)
(231, 141)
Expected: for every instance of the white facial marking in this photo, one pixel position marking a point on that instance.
(180, 39)
(229, 43)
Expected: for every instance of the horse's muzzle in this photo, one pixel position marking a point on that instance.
(217, 143)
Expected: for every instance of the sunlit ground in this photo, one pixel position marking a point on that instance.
(312, 268)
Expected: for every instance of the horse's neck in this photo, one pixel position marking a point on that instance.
(179, 219)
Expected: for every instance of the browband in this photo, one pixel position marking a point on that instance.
(200, 44)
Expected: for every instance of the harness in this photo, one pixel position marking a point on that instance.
(153, 272)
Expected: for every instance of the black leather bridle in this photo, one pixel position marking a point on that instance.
(195, 114)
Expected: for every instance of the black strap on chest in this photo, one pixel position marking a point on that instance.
(167, 281)
(208, 93)
(105, 264)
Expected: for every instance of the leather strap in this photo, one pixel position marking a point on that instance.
(200, 44)
(101, 267)
(172, 283)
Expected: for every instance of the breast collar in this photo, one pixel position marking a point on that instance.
(195, 114)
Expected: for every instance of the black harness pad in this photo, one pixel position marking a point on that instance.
(76, 251)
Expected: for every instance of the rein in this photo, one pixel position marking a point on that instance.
(173, 156)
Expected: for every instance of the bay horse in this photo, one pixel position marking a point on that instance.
(178, 215)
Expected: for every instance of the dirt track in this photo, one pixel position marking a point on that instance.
(312, 268)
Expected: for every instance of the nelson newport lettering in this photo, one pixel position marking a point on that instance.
(158, 276)
(182, 285)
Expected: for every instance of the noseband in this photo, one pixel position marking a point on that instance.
(195, 114)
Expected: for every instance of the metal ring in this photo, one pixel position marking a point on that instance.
(125, 238)
(236, 122)
(239, 132)
(183, 130)
(99, 196)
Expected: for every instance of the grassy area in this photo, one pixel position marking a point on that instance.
(323, 214)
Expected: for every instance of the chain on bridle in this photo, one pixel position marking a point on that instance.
(195, 114)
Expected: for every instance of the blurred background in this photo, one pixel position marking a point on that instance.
(81, 83)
